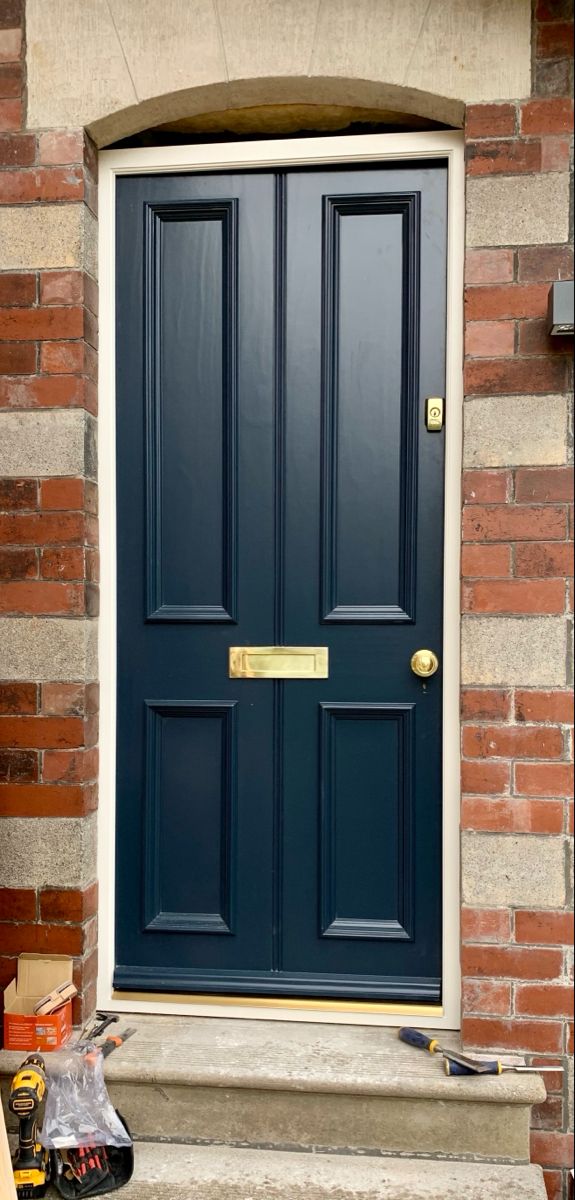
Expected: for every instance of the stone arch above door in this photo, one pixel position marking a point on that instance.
(119, 66)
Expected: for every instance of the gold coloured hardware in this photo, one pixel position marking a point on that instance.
(434, 413)
(424, 663)
(287, 1002)
(278, 662)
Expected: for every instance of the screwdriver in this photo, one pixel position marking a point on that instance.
(459, 1064)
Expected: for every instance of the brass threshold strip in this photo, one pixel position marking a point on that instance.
(299, 1005)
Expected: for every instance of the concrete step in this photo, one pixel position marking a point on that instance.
(288, 1086)
(173, 1172)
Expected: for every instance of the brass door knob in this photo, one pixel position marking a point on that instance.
(424, 663)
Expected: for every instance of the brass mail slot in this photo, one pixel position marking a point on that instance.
(279, 662)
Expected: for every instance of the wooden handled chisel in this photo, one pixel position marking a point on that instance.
(459, 1064)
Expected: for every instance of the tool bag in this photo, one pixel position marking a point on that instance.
(113, 1167)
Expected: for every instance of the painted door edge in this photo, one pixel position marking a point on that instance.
(345, 150)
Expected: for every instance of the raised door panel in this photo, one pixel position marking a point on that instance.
(370, 374)
(190, 818)
(191, 318)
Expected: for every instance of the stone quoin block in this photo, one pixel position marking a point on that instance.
(501, 869)
(519, 211)
(45, 648)
(50, 235)
(47, 851)
(61, 442)
(514, 650)
(514, 431)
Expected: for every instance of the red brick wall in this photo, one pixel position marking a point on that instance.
(517, 558)
(48, 530)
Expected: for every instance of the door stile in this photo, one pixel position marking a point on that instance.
(279, 557)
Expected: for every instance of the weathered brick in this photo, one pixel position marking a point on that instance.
(553, 77)
(486, 814)
(10, 80)
(40, 732)
(17, 288)
(489, 339)
(505, 301)
(547, 116)
(555, 154)
(18, 494)
(23, 324)
(539, 263)
(544, 779)
(485, 777)
(544, 928)
(490, 120)
(485, 924)
(491, 157)
(68, 904)
(61, 287)
(534, 338)
(18, 698)
(10, 45)
(491, 561)
(486, 996)
(39, 529)
(61, 147)
(10, 115)
(543, 560)
(76, 766)
(501, 522)
(511, 962)
(18, 766)
(535, 1000)
(512, 741)
(488, 266)
(46, 800)
(511, 375)
(57, 391)
(64, 699)
(544, 485)
(553, 1148)
(485, 487)
(41, 598)
(514, 596)
(555, 40)
(41, 184)
(512, 1034)
(485, 703)
(65, 493)
(544, 706)
(62, 358)
(65, 563)
(18, 564)
(42, 939)
(17, 904)
(17, 358)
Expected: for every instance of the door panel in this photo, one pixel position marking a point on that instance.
(277, 336)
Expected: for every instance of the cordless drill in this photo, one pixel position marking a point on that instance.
(31, 1161)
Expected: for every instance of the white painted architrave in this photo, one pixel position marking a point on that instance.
(345, 150)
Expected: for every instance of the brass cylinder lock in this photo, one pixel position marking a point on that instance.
(424, 663)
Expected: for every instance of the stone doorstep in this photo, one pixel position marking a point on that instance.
(171, 1172)
(285, 1085)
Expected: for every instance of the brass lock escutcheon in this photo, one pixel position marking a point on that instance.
(424, 663)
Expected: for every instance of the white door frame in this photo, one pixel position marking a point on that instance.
(345, 150)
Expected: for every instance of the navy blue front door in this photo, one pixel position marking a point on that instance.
(277, 336)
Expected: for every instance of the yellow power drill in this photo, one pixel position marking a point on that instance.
(31, 1161)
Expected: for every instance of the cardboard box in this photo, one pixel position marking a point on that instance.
(37, 975)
